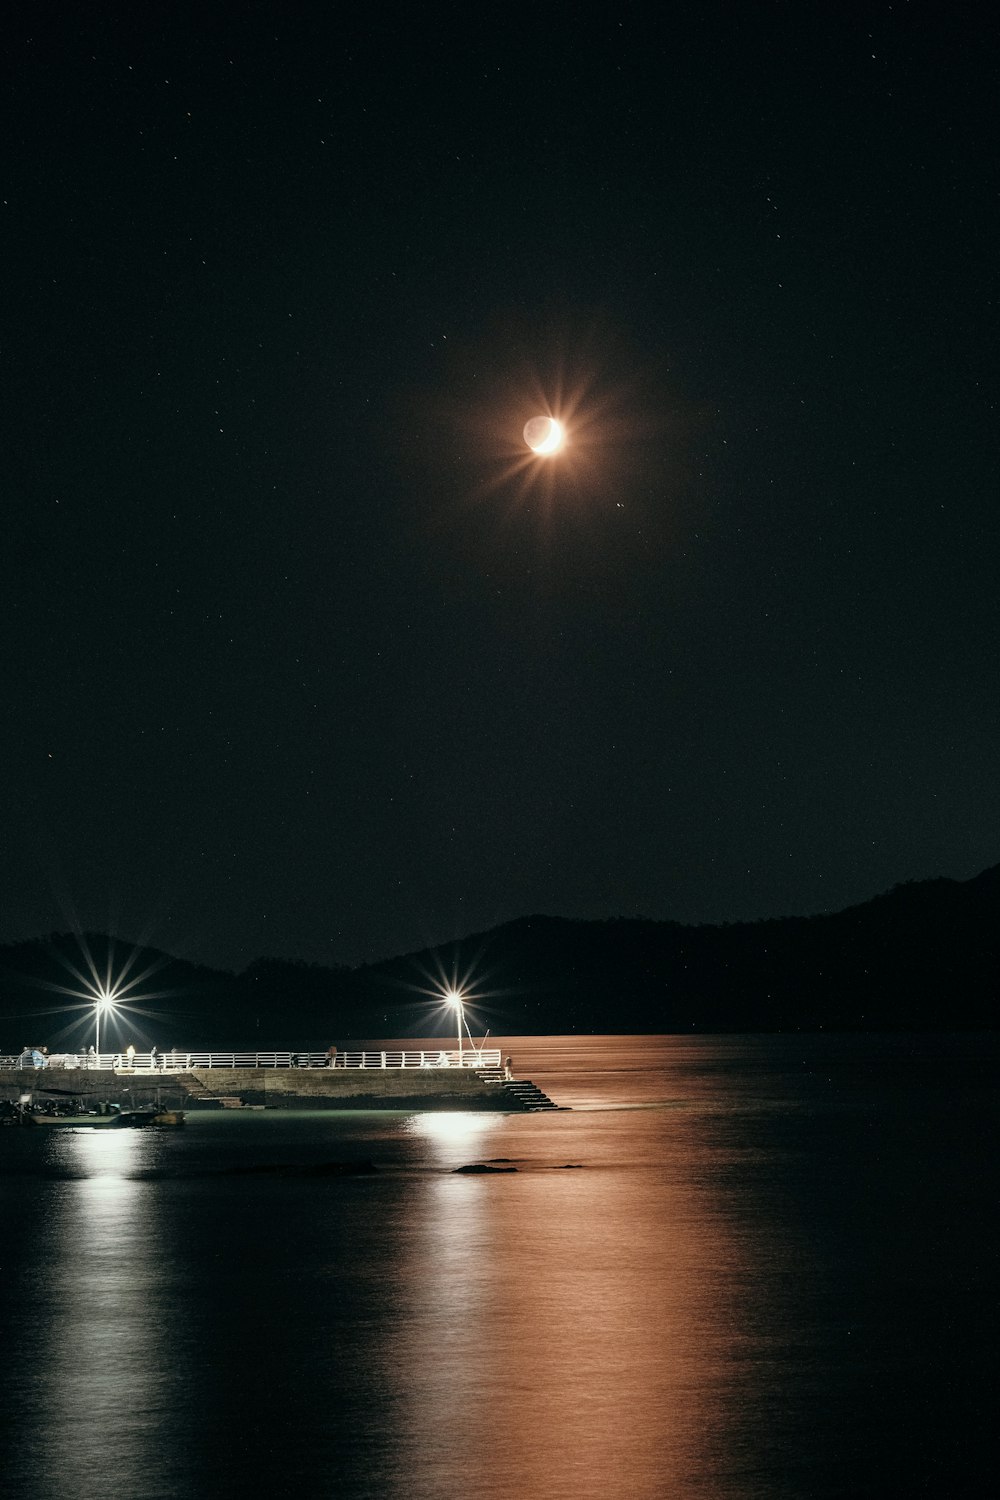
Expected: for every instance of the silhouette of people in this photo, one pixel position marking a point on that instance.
(152, 1059)
(508, 1067)
(331, 1053)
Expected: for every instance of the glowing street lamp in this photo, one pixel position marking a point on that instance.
(455, 997)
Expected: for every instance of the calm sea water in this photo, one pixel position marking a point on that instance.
(740, 1266)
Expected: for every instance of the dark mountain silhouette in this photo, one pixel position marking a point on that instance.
(921, 957)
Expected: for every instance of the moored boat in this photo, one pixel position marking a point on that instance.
(135, 1119)
(139, 1119)
(94, 1122)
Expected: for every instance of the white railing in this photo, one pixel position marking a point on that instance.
(469, 1057)
(182, 1062)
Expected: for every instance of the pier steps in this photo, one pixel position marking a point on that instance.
(208, 1090)
(527, 1094)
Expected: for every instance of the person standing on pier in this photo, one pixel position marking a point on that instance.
(130, 1054)
(508, 1067)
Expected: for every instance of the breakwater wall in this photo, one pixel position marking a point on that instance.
(273, 1088)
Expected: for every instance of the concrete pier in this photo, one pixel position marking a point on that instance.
(277, 1088)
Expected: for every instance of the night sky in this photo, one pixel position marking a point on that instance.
(304, 654)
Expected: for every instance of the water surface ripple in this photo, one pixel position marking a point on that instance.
(739, 1267)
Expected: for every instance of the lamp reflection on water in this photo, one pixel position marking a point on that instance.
(107, 1219)
(452, 1127)
(106, 1276)
(100, 1153)
(104, 1206)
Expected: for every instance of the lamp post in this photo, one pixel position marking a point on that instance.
(455, 997)
(102, 1003)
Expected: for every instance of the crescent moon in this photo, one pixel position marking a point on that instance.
(544, 435)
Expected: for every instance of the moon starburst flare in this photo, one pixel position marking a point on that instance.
(558, 433)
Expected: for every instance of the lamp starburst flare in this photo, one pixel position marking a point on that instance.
(107, 991)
